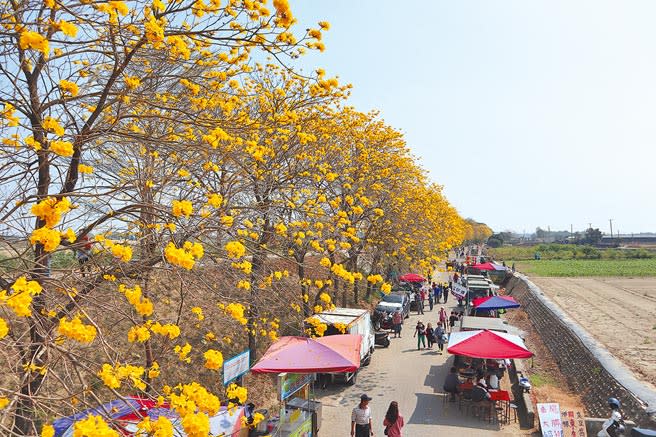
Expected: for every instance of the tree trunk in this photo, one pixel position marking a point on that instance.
(353, 266)
(259, 260)
(304, 288)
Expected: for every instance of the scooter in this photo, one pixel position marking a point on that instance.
(382, 338)
(614, 425)
(386, 322)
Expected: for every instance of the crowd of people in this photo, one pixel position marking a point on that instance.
(427, 335)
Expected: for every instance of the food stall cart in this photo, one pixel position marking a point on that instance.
(296, 360)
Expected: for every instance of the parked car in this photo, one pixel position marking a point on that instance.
(401, 298)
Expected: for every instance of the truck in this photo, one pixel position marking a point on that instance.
(358, 322)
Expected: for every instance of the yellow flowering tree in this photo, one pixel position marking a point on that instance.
(83, 83)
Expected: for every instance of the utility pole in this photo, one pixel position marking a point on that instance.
(571, 229)
(611, 227)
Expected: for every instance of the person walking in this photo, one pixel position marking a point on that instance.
(430, 300)
(419, 303)
(437, 292)
(453, 318)
(361, 418)
(420, 333)
(443, 317)
(397, 321)
(393, 421)
(445, 293)
(430, 336)
(439, 338)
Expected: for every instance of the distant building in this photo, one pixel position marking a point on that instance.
(644, 239)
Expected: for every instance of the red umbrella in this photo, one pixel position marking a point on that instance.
(412, 277)
(334, 353)
(487, 344)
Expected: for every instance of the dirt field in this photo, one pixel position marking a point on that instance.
(619, 312)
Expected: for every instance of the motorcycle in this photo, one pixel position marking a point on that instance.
(382, 338)
(614, 425)
(382, 320)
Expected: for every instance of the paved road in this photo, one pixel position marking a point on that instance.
(412, 378)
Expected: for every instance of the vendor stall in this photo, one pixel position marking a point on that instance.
(296, 360)
(487, 344)
(492, 306)
(412, 277)
(495, 303)
(127, 413)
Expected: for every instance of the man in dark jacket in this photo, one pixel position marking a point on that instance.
(452, 383)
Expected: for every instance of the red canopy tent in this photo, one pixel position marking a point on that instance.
(487, 344)
(334, 353)
(412, 277)
(484, 266)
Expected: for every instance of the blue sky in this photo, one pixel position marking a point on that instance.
(550, 105)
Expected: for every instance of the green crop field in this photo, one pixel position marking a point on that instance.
(588, 267)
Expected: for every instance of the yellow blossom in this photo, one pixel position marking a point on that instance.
(50, 238)
(181, 208)
(61, 148)
(93, 426)
(132, 82)
(213, 359)
(69, 87)
(198, 311)
(76, 330)
(85, 169)
(4, 330)
(68, 29)
(34, 41)
(235, 249)
(47, 431)
(51, 209)
(214, 200)
(183, 352)
(162, 427)
(51, 125)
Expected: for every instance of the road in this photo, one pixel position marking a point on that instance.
(414, 379)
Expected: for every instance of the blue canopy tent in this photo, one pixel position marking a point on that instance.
(495, 303)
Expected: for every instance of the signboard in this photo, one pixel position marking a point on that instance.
(290, 383)
(236, 366)
(550, 423)
(573, 423)
(459, 291)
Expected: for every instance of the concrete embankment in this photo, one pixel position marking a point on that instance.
(589, 368)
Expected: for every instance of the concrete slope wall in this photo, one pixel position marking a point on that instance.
(589, 368)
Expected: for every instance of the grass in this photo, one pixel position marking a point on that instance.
(568, 251)
(541, 379)
(588, 267)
